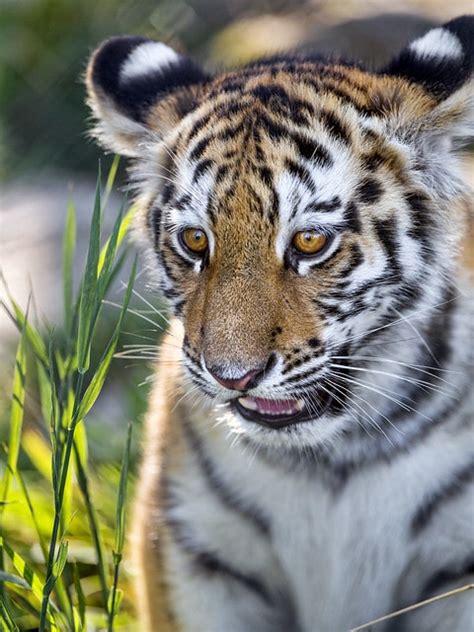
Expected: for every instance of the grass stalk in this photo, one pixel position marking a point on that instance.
(59, 496)
(119, 529)
(16, 423)
(93, 526)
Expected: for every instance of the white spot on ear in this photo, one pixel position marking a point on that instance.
(148, 57)
(437, 43)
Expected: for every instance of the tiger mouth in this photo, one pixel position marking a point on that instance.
(279, 413)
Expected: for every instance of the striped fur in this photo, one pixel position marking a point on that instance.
(362, 507)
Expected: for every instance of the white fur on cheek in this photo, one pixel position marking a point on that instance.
(437, 43)
(149, 57)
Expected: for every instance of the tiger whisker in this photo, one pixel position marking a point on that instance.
(416, 367)
(141, 315)
(365, 385)
(151, 306)
(309, 401)
(134, 333)
(382, 389)
(387, 342)
(352, 404)
(378, 427)
(415, 315)
(418, 334)
(403, 378)
(183, 397)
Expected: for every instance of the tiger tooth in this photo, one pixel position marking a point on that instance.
(248, 402)
(299, 405)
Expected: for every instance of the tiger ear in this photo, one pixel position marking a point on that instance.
(139, 89)
(442, 63)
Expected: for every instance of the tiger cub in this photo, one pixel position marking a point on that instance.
(308, 456)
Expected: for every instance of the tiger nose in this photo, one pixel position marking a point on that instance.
(240, 383)
(244, 381)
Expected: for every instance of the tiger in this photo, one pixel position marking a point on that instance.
(308, 456)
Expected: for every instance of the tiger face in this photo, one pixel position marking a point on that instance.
(291, 209)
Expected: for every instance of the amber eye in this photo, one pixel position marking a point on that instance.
(195, 240)
(309, 242)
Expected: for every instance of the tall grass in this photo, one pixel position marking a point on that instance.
(46, 586)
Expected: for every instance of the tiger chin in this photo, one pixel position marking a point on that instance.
(308, 457)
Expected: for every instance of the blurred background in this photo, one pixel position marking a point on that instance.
(46, 158)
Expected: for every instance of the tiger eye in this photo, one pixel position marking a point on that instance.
(195, 240)
(309, 242)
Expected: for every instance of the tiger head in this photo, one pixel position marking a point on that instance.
(292, 210)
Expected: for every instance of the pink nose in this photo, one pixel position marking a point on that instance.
(236, 384)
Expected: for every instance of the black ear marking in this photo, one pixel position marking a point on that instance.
(441, 61)
(135, 72)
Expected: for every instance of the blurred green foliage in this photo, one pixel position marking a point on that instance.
(44, 46)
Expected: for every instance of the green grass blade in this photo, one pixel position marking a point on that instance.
(109, 250)
(123, 227)
(67, 415)
(128, 293)
(96, 384)
(93, 525)
(107, 280)
(117, 267)
(81, 600)
(16, 415)
(39, 452)
(26, 494)
(45, 394)
(89, 287)
(111, 179)
(69, 246)
(18, 316)
(61, 560)
(80, 443)
(13, 579)
(115, 597)
(6, 618)
(62, 594)
(55, 423)
(61, 364)
(122, 495)
(95, 387)
(61, 488)
(34, 580)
